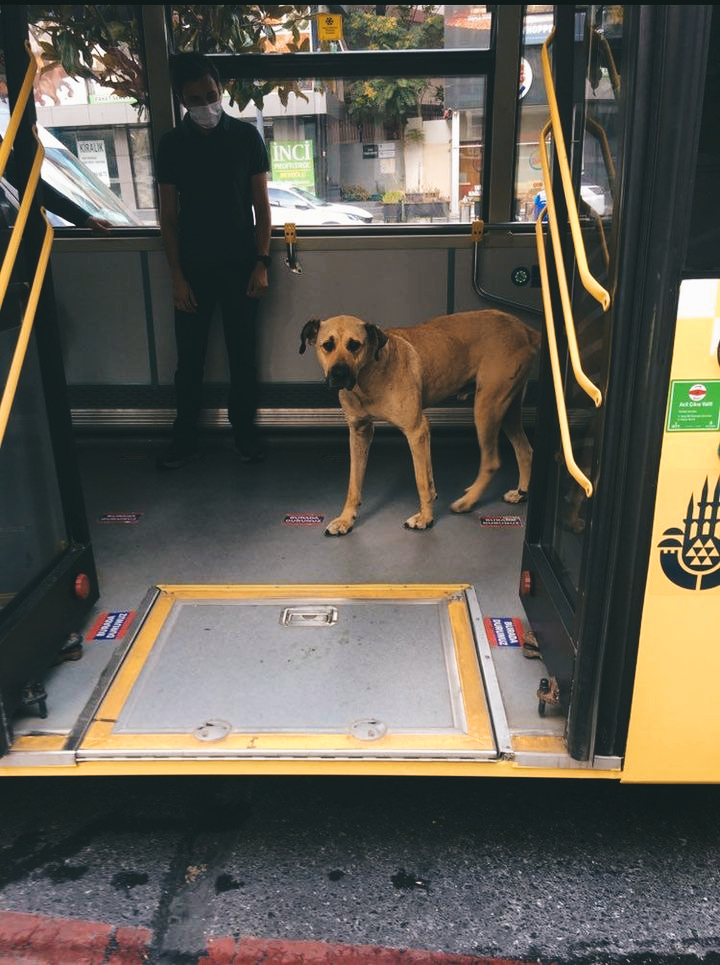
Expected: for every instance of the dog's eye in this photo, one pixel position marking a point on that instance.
(329, 345)
(353, 345)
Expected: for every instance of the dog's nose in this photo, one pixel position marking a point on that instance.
(341, 376)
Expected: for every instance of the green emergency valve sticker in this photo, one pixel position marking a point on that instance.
(694, 406)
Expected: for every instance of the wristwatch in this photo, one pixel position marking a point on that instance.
(265, 260)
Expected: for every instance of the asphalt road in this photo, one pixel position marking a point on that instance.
(531, 870)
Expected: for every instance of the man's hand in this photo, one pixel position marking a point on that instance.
(98, 226)
(258, 284)
(183, 297)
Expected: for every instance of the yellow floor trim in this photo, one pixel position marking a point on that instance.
(477, 736)
(284, 767)
(538, 744)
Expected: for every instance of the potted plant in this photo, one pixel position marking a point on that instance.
(394, 205)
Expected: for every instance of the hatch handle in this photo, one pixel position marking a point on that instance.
(309, 616)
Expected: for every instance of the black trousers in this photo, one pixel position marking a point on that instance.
(215, 286)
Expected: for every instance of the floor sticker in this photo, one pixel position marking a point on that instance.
(120, 518)
(501, 521)
(303, 519)
(112, 625)
(504, 631)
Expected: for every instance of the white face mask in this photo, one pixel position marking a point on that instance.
(207, 116)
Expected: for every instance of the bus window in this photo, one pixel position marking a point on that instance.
(415, 160)
(73, 179)
(407, 148)
(99, 114)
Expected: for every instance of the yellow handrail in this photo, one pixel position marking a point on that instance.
(572, 466)
(8, 395)
(590, 283)
(583, 381)
(18, 111)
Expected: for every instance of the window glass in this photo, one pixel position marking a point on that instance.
(378, 150)
(301, 28)
(400, 149)
(408, 27)
(381, 151)
(532, 114)
(91, 106)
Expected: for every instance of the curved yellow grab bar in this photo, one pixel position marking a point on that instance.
(21, 220)
(601, 41)
(18, 358)
(572, 466)
(590, 283)
(583, 381)
(18, 111)
(598, 132)
(8, 394)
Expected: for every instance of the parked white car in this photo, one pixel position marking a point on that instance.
(301, 207)
(351, 209)
(592, 194)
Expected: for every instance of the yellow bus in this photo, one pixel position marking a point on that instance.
(560, 163)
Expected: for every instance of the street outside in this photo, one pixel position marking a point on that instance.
(397, 870)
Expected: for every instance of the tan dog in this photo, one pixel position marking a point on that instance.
(394, 374)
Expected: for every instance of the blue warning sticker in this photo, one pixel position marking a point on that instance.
(504, 631)
(111, 626)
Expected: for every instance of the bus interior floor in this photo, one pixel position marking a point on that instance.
(218, 520)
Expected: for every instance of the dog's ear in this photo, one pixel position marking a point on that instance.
(309, 333)
(376, 337)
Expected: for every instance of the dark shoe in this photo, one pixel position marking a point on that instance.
(178, 456)
(252, 453)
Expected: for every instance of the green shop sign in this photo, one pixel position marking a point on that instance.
(293, 162)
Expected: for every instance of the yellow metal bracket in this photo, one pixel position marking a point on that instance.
(478, 230)
(290, 242)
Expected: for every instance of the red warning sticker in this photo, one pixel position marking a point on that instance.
(120, 518)
(504, 631)
(302, 519)
(111, 626)
(501, 521)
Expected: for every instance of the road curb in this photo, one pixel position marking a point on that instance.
(253, 951)
(27, 939)
(40, 940)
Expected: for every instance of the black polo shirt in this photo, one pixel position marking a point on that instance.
(212, 175)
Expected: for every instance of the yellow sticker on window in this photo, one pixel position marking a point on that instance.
(329, 26)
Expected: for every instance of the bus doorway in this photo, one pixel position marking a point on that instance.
(231, 635)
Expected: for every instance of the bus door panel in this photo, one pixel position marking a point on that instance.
(674, 721)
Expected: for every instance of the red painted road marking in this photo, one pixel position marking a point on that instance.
(38, 940)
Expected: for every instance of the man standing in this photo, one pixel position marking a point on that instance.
(215, 225)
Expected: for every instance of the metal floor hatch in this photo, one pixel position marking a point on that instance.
(299, 671)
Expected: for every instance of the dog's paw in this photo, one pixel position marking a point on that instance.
(419, 522)
(515, 496)
(462, 505)
(339, 527)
